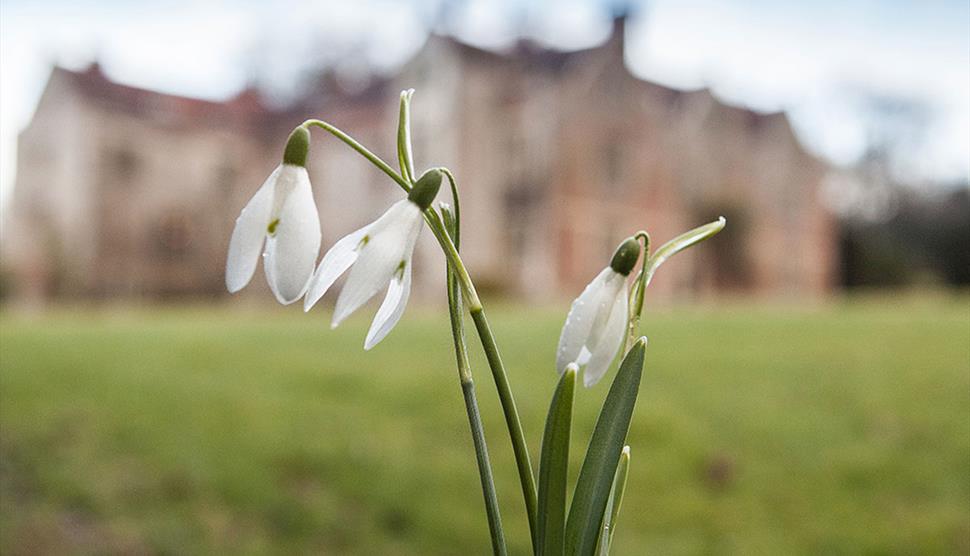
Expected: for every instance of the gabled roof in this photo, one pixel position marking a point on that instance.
(245, 108)
(534, 56)
(524, 52)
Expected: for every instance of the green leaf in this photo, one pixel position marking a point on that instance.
(681, 242)
(554, 466)
(613, 504)
(596, 476)
(404, 156)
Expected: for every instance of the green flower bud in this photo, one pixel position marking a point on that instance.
(297, 147)
(426, 189)
(626, 255)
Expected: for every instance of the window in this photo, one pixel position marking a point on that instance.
(613, 163)
(172, 234)
(120, 166)
(516, 153)
(727, 258)
(521, 201)
(225, 178)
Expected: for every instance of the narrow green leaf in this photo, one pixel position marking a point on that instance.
(404, 156)
(554, 466)
(613, 504)
(596, 476)
(681, 242)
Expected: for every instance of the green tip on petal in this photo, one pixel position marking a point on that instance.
(426, 189)
(297, 147)
(626, 256)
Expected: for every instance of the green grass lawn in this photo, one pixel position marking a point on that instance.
(842, 429)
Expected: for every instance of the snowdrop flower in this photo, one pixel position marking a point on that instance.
(283, 216)
(597, 321)
(380, 254)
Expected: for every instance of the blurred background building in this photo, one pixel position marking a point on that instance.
(123, 192)
(833, 135)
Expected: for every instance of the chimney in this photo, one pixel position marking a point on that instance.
(94, 68)
(621, 11)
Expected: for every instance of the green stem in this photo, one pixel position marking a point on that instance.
(526, 478)
(454, 259)
(471, 403)
(373, 158)
(639, 288)
(484, 470)
(521, 451)
(437, 227)
(430, 216)
(457, 210)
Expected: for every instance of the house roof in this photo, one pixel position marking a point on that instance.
(243, 109)
(248, 108)
(534, 56)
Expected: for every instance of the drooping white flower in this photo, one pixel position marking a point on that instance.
(283, 216)
(596, 324)
(380, 254)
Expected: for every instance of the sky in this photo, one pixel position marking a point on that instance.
(817, 60)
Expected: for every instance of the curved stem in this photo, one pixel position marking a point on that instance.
(454, 259)
(514, 425)
(430, 216)
(495, 364)
(471, 402)
(637, 293)
(350, 141)
(457, 201)
(521, 451)
(484, 470)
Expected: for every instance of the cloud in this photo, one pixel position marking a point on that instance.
(808, 57)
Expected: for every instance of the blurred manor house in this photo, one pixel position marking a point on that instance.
(130, 193)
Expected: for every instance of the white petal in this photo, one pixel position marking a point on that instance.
(248, 235)
(391, 309)
(611, 289)
(609, 342)
(337, 260)
(291, 252)
(579, 321)
(389, 244)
